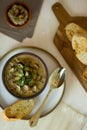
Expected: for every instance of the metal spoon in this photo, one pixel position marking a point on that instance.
(55, 80)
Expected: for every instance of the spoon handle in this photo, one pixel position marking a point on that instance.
(34, 119)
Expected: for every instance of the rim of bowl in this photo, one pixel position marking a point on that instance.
(10, 23)
(46, 70)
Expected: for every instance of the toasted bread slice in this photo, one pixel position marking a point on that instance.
(71, 29)
(82, 57)
(78, 38)
(18, 110)
(79, 43)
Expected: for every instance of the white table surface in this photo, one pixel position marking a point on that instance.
(45, 29)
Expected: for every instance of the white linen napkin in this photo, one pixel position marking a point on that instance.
(66, 118)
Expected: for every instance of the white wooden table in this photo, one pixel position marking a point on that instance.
(45, 29)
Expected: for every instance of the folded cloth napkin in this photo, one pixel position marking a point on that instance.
(66, 118)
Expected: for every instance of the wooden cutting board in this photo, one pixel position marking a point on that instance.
(63, 44)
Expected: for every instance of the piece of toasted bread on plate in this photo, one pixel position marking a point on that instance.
(18, 110)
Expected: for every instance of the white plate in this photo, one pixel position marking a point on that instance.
(56, 95)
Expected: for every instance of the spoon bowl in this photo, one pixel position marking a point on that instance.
(56, 79)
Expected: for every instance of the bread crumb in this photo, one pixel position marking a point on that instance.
(85, 74)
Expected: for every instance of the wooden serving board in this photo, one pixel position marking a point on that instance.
(64, 45)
